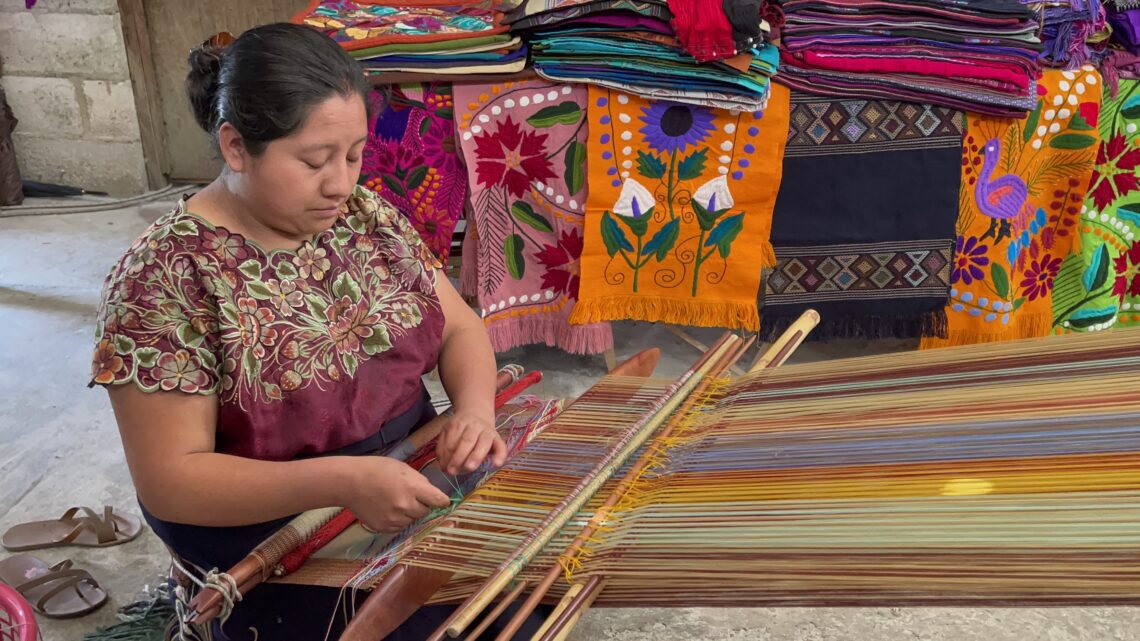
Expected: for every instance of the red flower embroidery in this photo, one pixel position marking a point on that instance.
(1128, 273)
(1038, 279)
(1115, 174)
(512, 158)
(1090, 111)
(561, 263)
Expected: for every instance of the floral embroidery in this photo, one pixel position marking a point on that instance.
(285, 296)
(561, 264)
(512, 158)
(1115, 175)
(224, 245)
(351, 324)
(312, 262)
(1038, 278)
(412, 160)
(1128, 273)
(209, 312)
(970, 258)
(182, 372)
(672, 127)
(107, 364)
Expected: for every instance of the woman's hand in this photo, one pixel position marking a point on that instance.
(388, 495)
(467, 439)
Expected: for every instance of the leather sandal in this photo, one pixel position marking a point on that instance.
(88, 529)
(59, 592)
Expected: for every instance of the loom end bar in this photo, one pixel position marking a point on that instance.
(787, 343)
(575, 605)
(567, 599)
(466, 614)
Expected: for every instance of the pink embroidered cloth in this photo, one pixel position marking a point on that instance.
(525, 150)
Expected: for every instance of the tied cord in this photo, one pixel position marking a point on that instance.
(220, 582)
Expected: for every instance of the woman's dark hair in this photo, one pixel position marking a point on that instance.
(267, 81)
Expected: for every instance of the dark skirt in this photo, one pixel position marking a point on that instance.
(281, 612)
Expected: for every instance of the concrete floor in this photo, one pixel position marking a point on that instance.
(59, 447)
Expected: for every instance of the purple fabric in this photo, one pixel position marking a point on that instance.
(622, 21)
(1126, 29)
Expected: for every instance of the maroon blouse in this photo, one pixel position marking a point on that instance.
(308, 350)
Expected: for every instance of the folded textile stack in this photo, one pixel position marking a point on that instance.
(977, 55)
(466, 37)
(1071, 31)
(632, 46)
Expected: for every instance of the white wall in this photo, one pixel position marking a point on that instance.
(63, 67)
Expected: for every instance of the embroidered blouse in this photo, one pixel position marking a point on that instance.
(308, 351)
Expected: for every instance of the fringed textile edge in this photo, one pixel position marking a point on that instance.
(1021, 326)
(727, 314)
(553, 331)
(767, 254)
(929, 324)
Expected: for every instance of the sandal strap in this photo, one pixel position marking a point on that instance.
(106, 528)
(48, 577)
(72, 579)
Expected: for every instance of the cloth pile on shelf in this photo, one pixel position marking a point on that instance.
(641, 47)
(1072, 32)
(979, 55)
(460, 38)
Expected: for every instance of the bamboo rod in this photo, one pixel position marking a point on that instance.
(567, 599)
(777, 354)
(574, 609)
(494, 614)
(602, 471)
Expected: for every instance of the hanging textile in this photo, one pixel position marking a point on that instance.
(1098, 286)
(679, 211)
(864, 224)
(411, 159)
(524, 144)
(1023, 182)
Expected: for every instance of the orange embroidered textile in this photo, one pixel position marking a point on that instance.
(680, 210)
(1023, 182)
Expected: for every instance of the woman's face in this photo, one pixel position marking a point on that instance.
(297, 185)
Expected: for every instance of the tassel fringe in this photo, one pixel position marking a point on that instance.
(699, 313)
(920, 325)
(1020, 326)
(553, 331)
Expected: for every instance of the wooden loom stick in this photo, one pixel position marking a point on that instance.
(776, 355)
(255, 568)
(574, 609)
(787, 343)
(634, 437)
(567, 599)
(406, 588)
(616, 495)
(494, 614)
(573, 620)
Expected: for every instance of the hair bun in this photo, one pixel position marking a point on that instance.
(202, 84)
(206, 59)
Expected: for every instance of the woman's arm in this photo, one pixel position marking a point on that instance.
(467, 370)
(168, 438)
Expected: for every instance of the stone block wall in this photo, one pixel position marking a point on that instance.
(63, 66)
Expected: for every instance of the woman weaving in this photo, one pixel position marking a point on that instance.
(273, 328)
